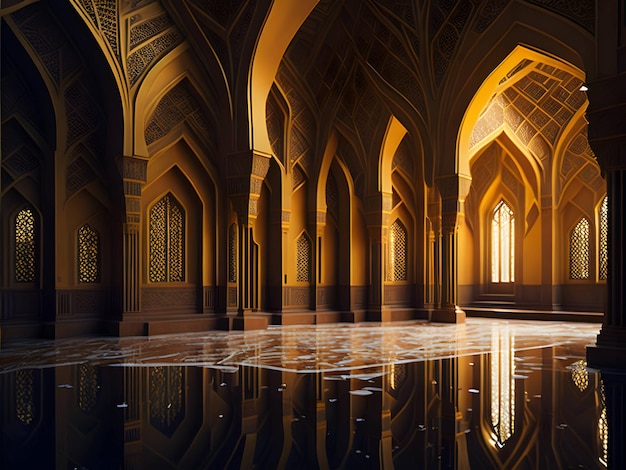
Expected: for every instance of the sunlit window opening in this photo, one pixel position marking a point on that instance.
(579, 250)
(397, 269)
(503, 244)
(167, 241)
(604, 231)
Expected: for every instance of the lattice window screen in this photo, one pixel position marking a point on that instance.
(398, 252)
(167, 241)
(88, 255)
(232, 253)
(25, 246)
(579, 250)
(604, 232)
(303, 259)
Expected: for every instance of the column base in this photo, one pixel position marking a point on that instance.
(247, 320)
(447, 315)
(609, 352)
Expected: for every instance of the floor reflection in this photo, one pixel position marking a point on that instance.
(500, 402)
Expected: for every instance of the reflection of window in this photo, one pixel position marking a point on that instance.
(88, 387)
(303, 259)
(580, 375)
(24, 401)
(603, 435)
(166, 398)
(502, 386)
(25, 246)
(579, 250)
(604, 231)
(88, 255)
(167, 241)
(503, 244)
(397, 269)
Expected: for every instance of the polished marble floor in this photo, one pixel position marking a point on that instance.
(311, 348)
(486, 394)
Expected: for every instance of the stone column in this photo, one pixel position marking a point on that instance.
(378, 211)
(134, 177)
(606, 115)
(246, 171)
(453, 190)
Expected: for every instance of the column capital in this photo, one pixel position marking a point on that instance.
(246, 172)
(133, 168)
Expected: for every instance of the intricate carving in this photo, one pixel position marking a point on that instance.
(139, 60)
(77, 175)
(489, 13)
(581, 12)
(180, 104)
(134, 169)
(169, 297)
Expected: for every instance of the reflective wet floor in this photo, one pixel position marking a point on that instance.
(484, 394)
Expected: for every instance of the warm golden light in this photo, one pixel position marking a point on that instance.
(502, 385)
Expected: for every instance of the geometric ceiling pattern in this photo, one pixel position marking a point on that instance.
(537, 105)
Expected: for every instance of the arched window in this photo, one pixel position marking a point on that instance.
(303, 259)
(503, 244)
(167, 241)
(397, 268)
(604, 231)
(88, 255)
(579, 250)
(26, 235)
